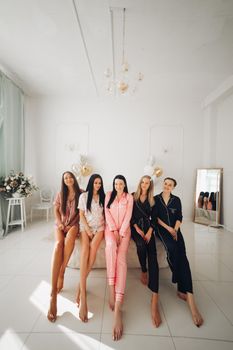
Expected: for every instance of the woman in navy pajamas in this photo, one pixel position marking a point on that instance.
(167, 212)
(142, 231)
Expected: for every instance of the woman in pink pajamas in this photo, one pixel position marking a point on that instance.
(118, 212)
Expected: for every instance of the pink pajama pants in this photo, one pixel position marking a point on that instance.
(116, 261)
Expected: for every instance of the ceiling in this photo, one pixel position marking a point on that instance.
(63, 47)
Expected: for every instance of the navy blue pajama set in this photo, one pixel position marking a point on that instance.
(176, 253)
(146, 252)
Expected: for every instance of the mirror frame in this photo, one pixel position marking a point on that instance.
(216, 223)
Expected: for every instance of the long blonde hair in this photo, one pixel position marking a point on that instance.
(150, 191)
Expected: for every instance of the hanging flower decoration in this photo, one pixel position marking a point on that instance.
(152, 170)
(158, 172)
(81, 169)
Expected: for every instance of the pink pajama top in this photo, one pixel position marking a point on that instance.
(71, 218)
(119, 214)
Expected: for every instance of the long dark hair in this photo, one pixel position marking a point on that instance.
(64, 192)
(114, 192)
(89, 189)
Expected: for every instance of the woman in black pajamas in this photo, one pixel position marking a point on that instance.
(143, 234)
(167, 212)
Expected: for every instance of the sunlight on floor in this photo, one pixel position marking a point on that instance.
(10, 340)
(82, 341)
(40, 298)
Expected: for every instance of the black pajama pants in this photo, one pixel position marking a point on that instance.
(147, 256)
(177, 260)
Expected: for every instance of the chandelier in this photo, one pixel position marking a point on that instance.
(120, 82)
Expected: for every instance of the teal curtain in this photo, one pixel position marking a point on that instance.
(11, 134)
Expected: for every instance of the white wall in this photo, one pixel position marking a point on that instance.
(224, 156)
(218, 142)
(119, 138)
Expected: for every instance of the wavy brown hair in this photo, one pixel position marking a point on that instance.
(150, 191)
(64, 192)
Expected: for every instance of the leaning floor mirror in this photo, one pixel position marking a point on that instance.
(207, 207)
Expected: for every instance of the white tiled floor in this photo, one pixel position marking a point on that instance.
(24, 296)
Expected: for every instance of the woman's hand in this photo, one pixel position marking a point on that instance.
(89, 233)
(139, 231)
(66, 228)
(170, 229)
(118, 237)
(147, 236)
(61, 226)
(173, 232)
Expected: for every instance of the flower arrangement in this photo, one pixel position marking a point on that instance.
(20, 184)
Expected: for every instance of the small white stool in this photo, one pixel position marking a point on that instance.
(10, 221)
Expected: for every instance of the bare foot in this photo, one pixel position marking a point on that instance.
(83, 310)
(144, 278)
(111, 297)
(118, 326)
(52, 312)
(155, 314)
(60, 283)
(182, 296)
(78, 295)
(196, 316)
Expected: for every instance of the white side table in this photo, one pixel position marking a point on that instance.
(10, 221)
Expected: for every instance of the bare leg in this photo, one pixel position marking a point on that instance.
(155, 314)
(68, 249)
(78, 295)
(52, 312)
(118, 325)
(197, 318)
(182, 296)
(85, 244)
(55, 269)
(144, 278)
(94, 246)
(60, 282)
